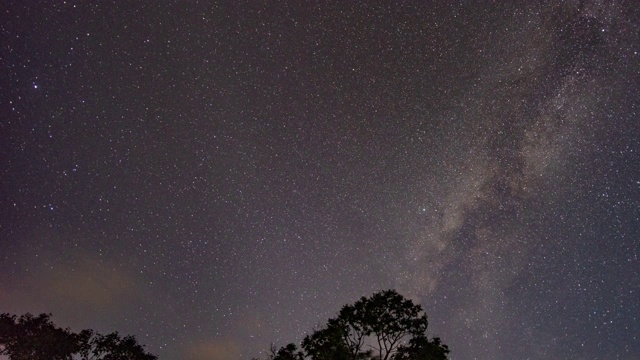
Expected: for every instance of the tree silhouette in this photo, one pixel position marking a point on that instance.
(335, 341)
(289, 352)
(421, 348)
(31, 337)
(111, 347)
(385, 326)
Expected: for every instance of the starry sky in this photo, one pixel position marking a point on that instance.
(216, 176)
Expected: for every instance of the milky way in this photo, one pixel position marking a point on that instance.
(215, 177)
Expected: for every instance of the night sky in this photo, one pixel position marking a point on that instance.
(214, 177)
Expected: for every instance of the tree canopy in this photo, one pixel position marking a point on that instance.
(385, 326)
(31, 337)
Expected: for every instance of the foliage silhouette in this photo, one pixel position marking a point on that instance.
(421, 348)
(289, 352)
(385, 326)
(31, 337)
(36, 338)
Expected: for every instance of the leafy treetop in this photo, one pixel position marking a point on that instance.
(385, 326)
(31, 337)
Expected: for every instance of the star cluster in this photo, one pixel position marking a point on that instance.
(216, 176)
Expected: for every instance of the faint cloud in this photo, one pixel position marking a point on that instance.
(214, 350)
(90, 284)
(71, 289)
